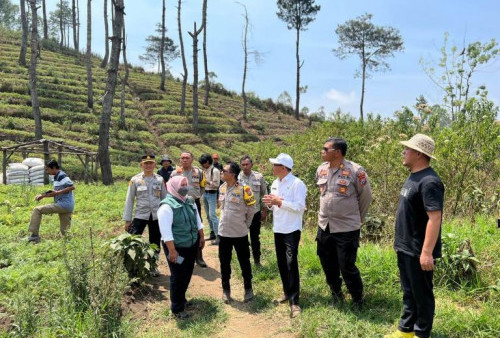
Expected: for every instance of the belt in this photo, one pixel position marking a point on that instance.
(211, 191)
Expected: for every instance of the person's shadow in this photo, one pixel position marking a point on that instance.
(208, 273)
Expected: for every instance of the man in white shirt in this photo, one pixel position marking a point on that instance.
(287, 200)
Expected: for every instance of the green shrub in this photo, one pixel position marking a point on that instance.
(459, 264)
(139, 257)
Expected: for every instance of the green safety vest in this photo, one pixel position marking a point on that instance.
(184, 226)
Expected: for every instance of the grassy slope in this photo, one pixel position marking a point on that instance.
(153, 118)
(469, 311)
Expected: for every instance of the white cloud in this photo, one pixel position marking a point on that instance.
(341, 98)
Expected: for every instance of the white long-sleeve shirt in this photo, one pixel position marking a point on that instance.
(288, 217)
(165, 219)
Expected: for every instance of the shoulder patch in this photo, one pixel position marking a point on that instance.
(248, 195)
(361, 177)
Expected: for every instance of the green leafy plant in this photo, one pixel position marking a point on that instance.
(138, 255)
(458, 264)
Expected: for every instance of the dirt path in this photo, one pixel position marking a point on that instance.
(241, 321)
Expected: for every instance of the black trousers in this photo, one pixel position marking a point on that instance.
(137, 228)
(180, 275)
(198, 205)
(287, 249)
(255, 236)
(240, 244)
(337, 253)
(418, 298)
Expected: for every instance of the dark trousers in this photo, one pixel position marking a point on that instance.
(138, 226)
(418, 298)
(287, 249)
(240, 244)
(198, 205)
(255, 236)
(180, 276)
(337, 253)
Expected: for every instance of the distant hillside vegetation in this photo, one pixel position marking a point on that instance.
(153, 118)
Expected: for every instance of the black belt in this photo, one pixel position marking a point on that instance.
(211, 191)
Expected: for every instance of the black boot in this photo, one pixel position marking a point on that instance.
(212, 236)
(199, 259)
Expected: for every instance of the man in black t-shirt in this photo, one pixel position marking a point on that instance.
(418, 237)
(166, 168)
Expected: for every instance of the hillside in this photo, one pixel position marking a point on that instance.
(153, 118)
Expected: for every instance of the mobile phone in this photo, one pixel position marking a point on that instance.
(180, 259)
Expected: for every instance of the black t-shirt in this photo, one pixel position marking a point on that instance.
(165, 173)
(423, 191)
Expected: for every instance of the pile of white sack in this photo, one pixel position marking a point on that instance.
(30, 171)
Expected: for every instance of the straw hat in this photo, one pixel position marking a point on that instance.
(421, 143)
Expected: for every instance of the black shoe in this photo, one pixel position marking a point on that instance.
(248, 295)
(337, 298)
(257, 263)
(212, 236)
(226, 296)
(181, 315)
(201, 262)
(357, 304)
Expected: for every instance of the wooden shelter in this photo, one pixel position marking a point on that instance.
(48, 148)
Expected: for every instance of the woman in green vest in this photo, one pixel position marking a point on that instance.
(181, 234)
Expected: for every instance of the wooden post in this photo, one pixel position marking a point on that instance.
(59, 156)
(46, 158)
(86, 173)
(4, 166)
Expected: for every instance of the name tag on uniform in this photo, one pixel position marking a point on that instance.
(142, 188)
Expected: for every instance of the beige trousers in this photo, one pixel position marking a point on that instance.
(36, 217)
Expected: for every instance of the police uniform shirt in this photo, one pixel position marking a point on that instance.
(257, 183)
(237, 210)
(194, 176)
(147, 193)
(345, 195)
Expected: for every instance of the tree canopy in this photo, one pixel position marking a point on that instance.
(152, 55)
(8, 14)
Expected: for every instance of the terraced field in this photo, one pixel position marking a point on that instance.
(153, 118)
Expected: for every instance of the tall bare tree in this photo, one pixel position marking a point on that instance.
(45, 25)
(75, 16)
(107, 103)
(104, 62)
(183, 55)
(24, 26)
(90, 91)
(33, 76)
(61, 24)
(205, 59)
(122, 123)
(162, 47)
(194, 35)
(297, 14)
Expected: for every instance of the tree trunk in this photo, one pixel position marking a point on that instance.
(24, 26)
(33, 63)
(90, 92)
(104, 62)
(194, 35)
(162, 48)
(205, 59)
(123, 125)
(245, 66)
(75, 25)
(61, 27)
(297, 89)
(363, 76)
(107, 103)
(185, 75)
(45, 25)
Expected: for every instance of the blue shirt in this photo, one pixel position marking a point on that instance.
(62, 181)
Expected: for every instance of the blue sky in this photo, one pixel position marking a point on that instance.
(330, 81)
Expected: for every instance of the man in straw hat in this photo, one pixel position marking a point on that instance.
(418, 237)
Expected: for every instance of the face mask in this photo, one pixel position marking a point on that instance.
(183, 191)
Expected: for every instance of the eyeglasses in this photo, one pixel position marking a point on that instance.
(325, 149)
